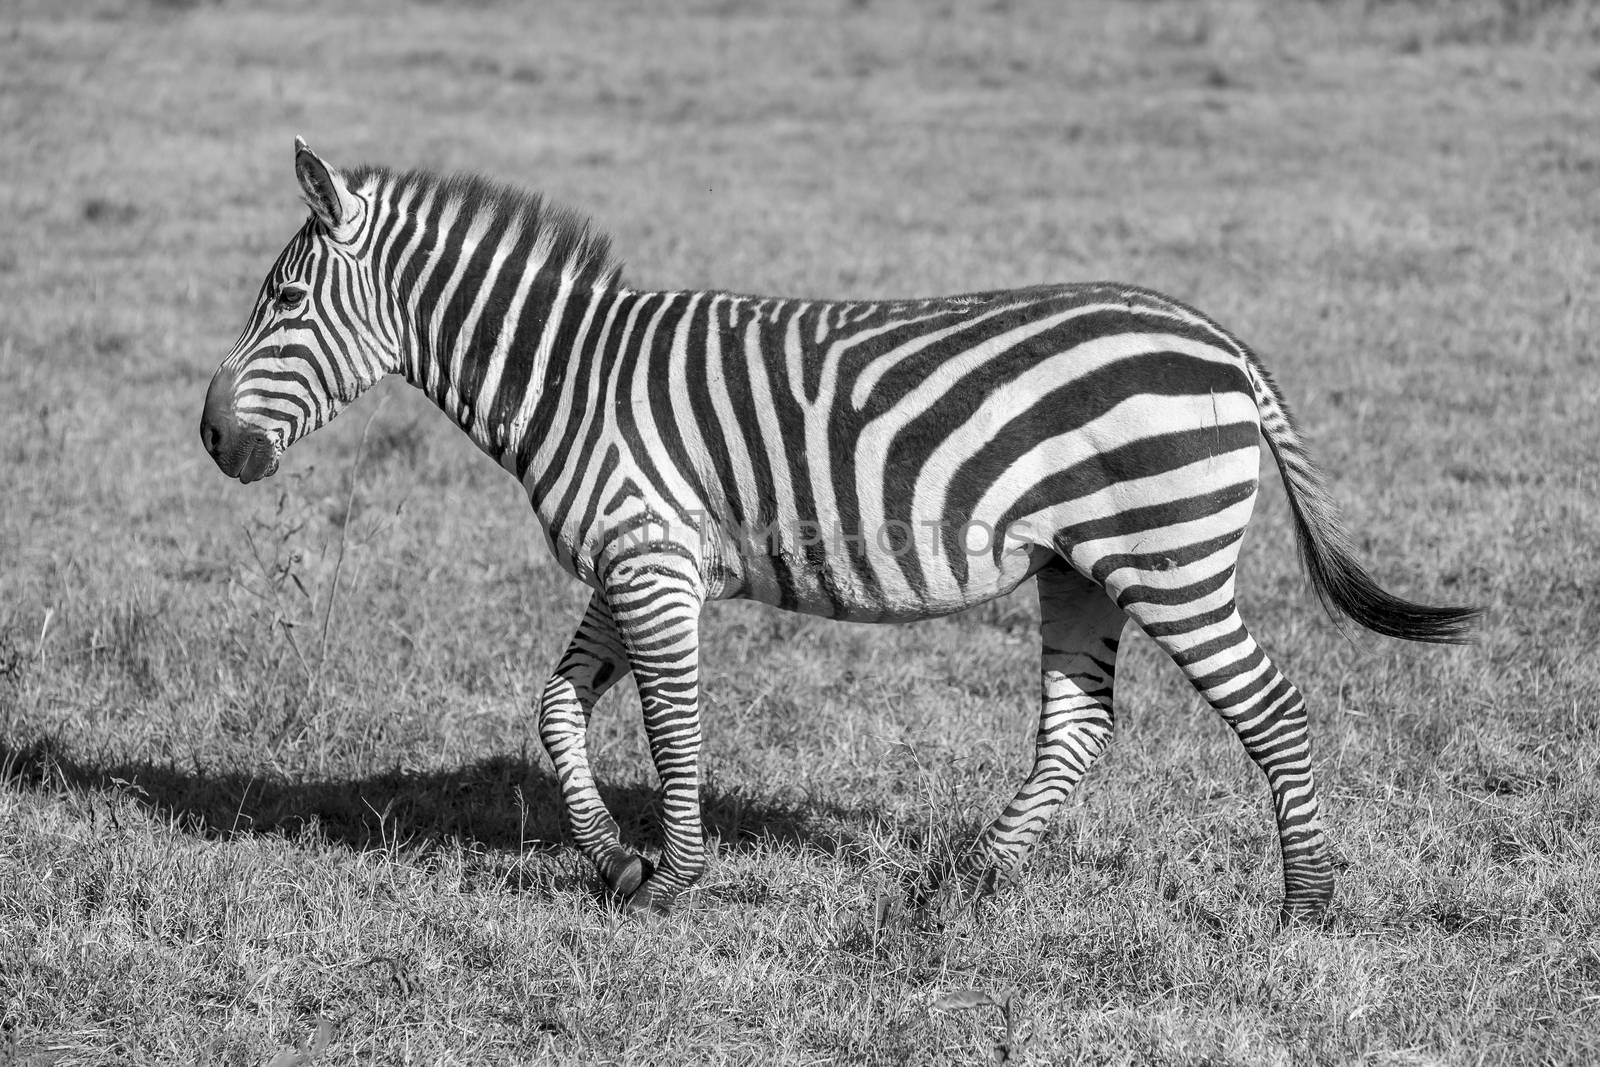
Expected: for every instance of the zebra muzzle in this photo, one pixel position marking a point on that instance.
(240, 451)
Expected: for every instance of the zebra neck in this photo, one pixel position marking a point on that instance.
(488, 356)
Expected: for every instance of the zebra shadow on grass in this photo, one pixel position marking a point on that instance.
(499, 819)
(502, 813)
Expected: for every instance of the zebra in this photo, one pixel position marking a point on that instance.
(873, 461)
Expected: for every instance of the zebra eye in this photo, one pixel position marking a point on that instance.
(289, 298)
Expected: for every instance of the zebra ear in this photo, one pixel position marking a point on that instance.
(326, 192)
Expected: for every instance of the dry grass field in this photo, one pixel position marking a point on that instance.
(269, 786)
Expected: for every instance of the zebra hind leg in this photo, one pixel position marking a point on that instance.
(1222, 660)
(1079, 628)
(593, 662)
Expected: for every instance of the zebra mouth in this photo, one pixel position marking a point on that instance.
(261, 461)
(254, 456)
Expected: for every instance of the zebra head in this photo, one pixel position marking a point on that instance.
(320, 335)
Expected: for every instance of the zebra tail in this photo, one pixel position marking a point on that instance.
(1342, 584)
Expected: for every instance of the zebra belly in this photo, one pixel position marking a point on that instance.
(836, 586)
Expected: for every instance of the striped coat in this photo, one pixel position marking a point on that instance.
(863, 460)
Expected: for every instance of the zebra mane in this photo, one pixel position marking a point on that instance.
(574, 242)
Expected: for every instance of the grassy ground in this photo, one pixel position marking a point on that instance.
(266, 751)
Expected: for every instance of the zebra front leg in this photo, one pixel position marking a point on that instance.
(656, 607)
(1079, 628)
(593, 662)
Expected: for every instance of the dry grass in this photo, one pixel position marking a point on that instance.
(239, 798)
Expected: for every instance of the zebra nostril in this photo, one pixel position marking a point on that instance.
(217, 427)
(211, 437)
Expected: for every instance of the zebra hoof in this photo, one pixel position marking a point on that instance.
(624, 874)
(1302, 916)
(648, 902)
(977, 882)
(985, 883)
(1306, 899)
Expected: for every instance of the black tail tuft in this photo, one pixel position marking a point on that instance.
(1344, 586)
(1341, 582)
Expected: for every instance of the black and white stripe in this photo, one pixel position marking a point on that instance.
(873, 461)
